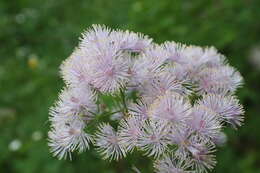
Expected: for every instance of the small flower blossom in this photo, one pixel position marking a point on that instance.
(194, 61)
(153, 139)
(160, 84)
(74, 101)
(107, 143)
(66, 138)
(76, 69)
(107, 65)
(130, 41)
(110, 74)
(227, 107)
(148, 64)
(129, 132)
(170, 164)
(171, 108)
(175, 52)
(202, 158)
(195, 150)
(180, 138)
(204, 122)
(214, 58)
(219, 80)
(180, 73)
(155, 57)
(97, 39)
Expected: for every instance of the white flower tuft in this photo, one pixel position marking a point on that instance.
(169, 101)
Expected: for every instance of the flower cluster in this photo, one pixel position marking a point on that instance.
(173, 101)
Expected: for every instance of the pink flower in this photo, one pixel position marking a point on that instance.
(68, 137)
(171, 108)
(107, 143)
(204, 122)
(129, 132)
(226, 107)
(219, 80)
(109, 74)
(153, 139)
(130, 41)
(160, 84)
(73, 101)
(169, 164)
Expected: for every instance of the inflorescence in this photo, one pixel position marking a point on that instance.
(172, 101)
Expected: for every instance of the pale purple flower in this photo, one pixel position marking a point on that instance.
(138, 72)
(170, 164)
(76, 69)
(75, 101)
(194, 61)
(214, 58)
(201, 155)
(102, 37)
(153, 139)
(97, 41)
(107, 143)
(195, 150)
(108, 65)
(204, 122)
(219, 80)
(68, 137)
(109, 74)
(175, 52)
(155, 57)
(182, 95)
(179, 72)
(129, 132)
(148, 64)
(227, 107)
(160, 84)
(172, 108)
(180, 138)
(130, 41)
(189, 61)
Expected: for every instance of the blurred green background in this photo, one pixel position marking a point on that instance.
(37, 35)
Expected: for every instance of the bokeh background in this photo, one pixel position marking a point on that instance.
(37, 35)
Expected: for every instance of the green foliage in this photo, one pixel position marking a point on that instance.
(36, 36)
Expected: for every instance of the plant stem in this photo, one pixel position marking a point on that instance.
(123, 100)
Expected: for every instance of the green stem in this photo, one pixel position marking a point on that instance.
(123, 100)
